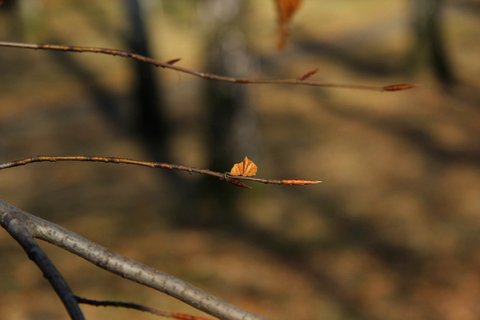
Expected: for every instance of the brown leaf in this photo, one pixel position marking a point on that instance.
(246, 168)
(285, 11)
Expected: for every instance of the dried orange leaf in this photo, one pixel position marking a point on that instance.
(245, 168)
(285, 9)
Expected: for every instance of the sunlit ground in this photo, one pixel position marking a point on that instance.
(393, 232)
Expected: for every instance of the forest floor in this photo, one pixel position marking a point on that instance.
(393, 232)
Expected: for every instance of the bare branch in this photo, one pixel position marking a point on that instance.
(138, 307)
(21, 230)
(220, 175)
(399, 87)
(204, 75)
(122, 266)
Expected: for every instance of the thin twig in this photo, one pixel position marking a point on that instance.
(20, 229)
(220, 175)
(204, 75)
(138, 307)
(124, 267)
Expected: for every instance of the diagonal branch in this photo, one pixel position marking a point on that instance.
(220, 175)
(122, 266)
(209, 76)
(21, 230)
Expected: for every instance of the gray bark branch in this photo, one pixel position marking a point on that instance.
(20, 227)
(122, 266)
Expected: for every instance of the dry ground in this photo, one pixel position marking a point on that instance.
(392, 233)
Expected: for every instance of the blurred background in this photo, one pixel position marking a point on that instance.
(393, 232)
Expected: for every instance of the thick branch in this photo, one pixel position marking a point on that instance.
(124, 267)
(21, 230)
(171, 65)
(220, 175)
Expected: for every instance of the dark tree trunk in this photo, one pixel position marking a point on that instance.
(429, 46)
(150, 122)
(11, 21)
(230, 118)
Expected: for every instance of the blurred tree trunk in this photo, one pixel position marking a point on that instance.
(10, 20)
(229, 116)
(429, 45)
(150, 122)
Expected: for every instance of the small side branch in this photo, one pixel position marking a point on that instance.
(138, 307)
(20, 230)
(301, 81)
(235, 180)
(119, 265)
